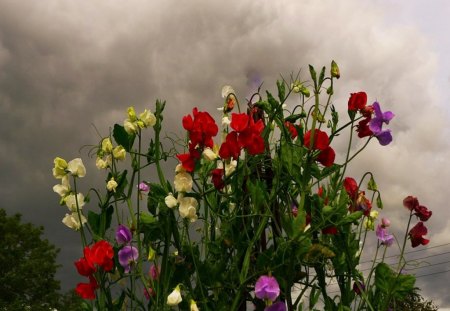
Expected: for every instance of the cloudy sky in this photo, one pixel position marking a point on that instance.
(68, 68)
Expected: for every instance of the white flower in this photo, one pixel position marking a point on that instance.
(111, 185)
(170, 201)
(183, 182)
(148, 118)
(188, 208)
(209, 154)
(175, 297)
(72, 204)
(59, 170)
(131, 114)
(119, 153)
(226, 121)
(76, 167)
(130, 127)
(227, 90)
(230, 167)
(64, 188)
(193, 306)
(179, 168)
(73, 221)
(100, 163)
(107, 145)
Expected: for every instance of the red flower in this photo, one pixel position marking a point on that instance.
(416, 235)
(423, 213)
(102, 254)
(363, 128)
(188, 160)
(250, 138)
(326, 157)
(291, 128)
(321, 140)
(330, 230)
(201, 128)
(84, 267)
(357, 101)
(239, 121)
(87, 290)
(230, 148)
(351, 187)
(217, 178)
(410, 202)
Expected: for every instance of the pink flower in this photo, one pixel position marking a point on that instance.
(267, 287)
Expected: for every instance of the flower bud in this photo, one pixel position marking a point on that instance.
(170, 201)
(131, 114)
(100, 163)
(335, 73)
(130, 127)
(193, 306)
(209, 154)
(59, 170)
(385, 222)
(107, 145)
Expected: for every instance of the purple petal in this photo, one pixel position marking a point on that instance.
(387, 116)
(277, 306)
(123, 234)
(128, 255)
(267, 287)
(384, 137)
(377, 110)
(375, 125)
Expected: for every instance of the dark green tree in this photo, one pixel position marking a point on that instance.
(27, 267)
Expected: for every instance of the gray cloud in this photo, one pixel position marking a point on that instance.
(65, 66)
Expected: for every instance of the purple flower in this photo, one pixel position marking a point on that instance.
(383, 236)
(358, 287)
(267, 287)
(277, 306)
(376, 124)
(123, 234)
(143, 187)
(127, 256)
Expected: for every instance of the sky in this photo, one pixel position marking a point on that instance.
(69, 69)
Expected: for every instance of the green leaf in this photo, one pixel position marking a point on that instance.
(353, 217)
(322, 76)
(146, 218)
(274, 104)
(122, 137)
(313, 73)
(294, 117)
(94, 222)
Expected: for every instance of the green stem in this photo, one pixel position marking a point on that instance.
(83, 237)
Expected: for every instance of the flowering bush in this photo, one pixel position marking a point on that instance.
(261, 215)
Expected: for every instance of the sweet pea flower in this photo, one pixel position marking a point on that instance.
(123, 234)
(73, 221)
(72, 203)
(130, 127)
(170, 201)
(383, 236)
(119, 153)
(209, 154)
(107, 145)
(100, 163)
(267, 288)
(143, 187)
(148, 118)
(416, 235)
(375, 125)
(128, 255)
(64, 188)
(111, 185)
(76, 168)
(277, 306)
(174, 297)
(193, 306)
(227, 90)
(183, 182)
(59, 170)
(188, 208)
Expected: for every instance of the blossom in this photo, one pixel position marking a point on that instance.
(143, 187)
(201, 128)
(357, 101)
(84, 267)
(188, 208)
(321, 140)
(227, 90)
(130, 127)
(73, 203)
(383, 236)
(188, 160)
(291, 128)
(76, 168)
(101, 253)
(326, 157)
(119, 153)
(412, 203)
(148, 118)
(416, 235)
(154, 272)
(59, 170)
(107, 145)
(209, 154)
(73, 221)
(385, 222)
(376, 124)
(230, 147)
(183, 182)
(170, 200)
(100, 163)
(123, 234)
(351, 187)
(277, 306)
(127, 256)
(111, 185)
(423, 213)
(174, 297)
(217, 178)
(267, 287)
(358, 287)
(193, 306)
(87, 290)
(64, 188)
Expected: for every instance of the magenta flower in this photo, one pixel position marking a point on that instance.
(128, 255)
(376, 125)
(123, 234)
(267, 287)
(277, 306)
(143, 187)
(383, 236)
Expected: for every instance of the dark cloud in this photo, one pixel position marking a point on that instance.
(65, 66)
